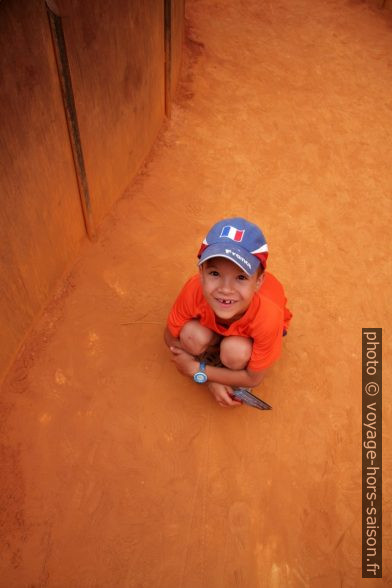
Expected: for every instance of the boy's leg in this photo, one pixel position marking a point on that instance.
(196, 339)
(235, 352)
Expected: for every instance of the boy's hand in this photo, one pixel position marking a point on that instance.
(188, 366)
(222, 395)
(185, 362)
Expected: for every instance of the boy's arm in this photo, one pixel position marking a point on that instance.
(188, 366)
(181, 312)
(245, 378)
(170, 340)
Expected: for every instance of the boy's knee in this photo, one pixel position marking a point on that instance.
(195, 338)
(235, 352)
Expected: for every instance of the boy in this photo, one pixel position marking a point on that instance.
(232, 304)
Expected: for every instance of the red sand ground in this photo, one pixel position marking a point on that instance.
(117, 471)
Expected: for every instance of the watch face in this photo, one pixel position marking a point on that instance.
(200, 377)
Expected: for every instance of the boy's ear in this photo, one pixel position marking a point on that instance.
(259, 281)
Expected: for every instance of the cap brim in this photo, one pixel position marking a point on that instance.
(238, 255)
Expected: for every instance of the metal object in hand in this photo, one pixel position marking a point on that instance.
(247, 397)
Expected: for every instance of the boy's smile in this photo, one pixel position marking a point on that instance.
(227, 289)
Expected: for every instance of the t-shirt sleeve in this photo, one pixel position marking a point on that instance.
(267, 345)
(183, 309)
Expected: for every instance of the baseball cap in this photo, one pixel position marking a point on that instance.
(238, 240)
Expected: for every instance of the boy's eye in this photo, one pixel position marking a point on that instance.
(242, 277)
(213, 273)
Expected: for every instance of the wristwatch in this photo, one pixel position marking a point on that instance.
(201, 377)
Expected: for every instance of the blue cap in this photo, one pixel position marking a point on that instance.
(238, 240)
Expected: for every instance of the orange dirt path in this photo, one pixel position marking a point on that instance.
(117, 471)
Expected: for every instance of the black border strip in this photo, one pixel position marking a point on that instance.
(72, 119)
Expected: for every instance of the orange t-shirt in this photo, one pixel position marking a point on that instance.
(264, 320)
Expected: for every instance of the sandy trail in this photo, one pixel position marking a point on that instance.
(117, 472)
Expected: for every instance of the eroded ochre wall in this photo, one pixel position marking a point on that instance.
(41, 223)
(116, 62)
(177, 38)
(116, 56)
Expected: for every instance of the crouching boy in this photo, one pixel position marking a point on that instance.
(233, 307)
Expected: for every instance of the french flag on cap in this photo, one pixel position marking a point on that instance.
(232, 233)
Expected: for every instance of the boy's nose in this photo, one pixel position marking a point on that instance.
(226, 285)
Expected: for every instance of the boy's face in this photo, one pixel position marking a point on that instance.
(227, 289)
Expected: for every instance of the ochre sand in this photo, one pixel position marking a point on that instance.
(117, 471)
